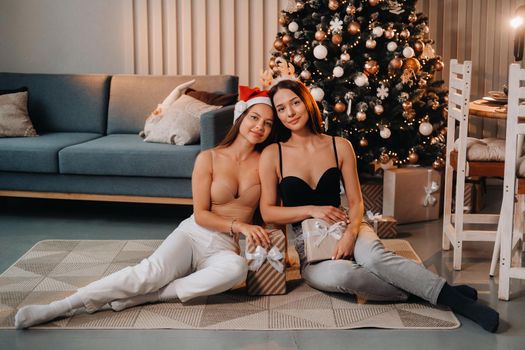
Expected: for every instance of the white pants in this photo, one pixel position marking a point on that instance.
(193, 261)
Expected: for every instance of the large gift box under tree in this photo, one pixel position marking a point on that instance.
(412, 194)
(266, 272)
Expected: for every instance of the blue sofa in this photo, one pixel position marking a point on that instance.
(88, 145)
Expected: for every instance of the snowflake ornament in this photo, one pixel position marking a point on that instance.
(382, 91)
(336, 25)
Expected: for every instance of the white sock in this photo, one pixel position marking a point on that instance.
(31, 315)
(121, 304)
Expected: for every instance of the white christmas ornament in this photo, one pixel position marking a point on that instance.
(391, 46)
(320, 52)
(361, 80)
(385, 133)
(377, 31)
(293, 27)
(317, 94)
(382, 91)
(336, 25)
(408, 52)
(425, 128)
(338, 71)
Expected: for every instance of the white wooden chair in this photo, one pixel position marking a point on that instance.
(458, 166)
(510, 228)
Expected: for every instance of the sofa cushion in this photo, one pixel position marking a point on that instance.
(14, 120)
(63, 103)
(132, 97)
(178, 123)
(37, 154)
(128, 155)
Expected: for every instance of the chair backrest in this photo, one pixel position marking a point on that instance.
(459, 89)
(515, 127)
(458, 106)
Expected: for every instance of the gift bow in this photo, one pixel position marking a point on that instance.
(334, 230)
(274, 257)
(374, 218)
(429, 198)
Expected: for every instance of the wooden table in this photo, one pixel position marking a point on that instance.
(487, 109)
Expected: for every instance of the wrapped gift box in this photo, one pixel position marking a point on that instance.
(474, 200)
(412, 194)
(320, 238)
(384, 226)
(372, 191)
(266, 274)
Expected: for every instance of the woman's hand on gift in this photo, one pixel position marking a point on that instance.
(254, 234)
(345, 247)
(328, 213)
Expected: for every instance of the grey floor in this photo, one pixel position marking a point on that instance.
(23, 222)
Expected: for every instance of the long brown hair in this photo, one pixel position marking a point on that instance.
(234, 131)
(315, 122)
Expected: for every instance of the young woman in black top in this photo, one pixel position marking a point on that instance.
(303, 171)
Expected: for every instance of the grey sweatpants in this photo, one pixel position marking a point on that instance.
(375, 274)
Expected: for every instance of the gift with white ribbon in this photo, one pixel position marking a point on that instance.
(384, 226)
(266, 270)
(320, 238)
(274, 257)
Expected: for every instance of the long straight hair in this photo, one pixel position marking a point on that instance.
(234, 132)
(315, 122)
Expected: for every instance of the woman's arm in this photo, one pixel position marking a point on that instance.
(201, 180)
(346, 154)
(271, 211)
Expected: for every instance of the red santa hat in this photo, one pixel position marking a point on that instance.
(248, 97)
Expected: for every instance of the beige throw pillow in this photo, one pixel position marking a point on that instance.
(179, 123)
(14, 119)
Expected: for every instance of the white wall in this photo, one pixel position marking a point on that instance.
(65, 36)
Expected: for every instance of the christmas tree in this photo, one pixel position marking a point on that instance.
(370, 66)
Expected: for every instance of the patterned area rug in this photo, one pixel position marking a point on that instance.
(55, 269)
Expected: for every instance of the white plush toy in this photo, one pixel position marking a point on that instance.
(153, 120)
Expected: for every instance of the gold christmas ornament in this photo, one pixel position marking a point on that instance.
(345, 57)
(320, 35)
(354, 28)
(389, 33)
(404, 34)
(413, 158)
(438, 164)
(371, 67)
(337, 39)
(439, 65)
(407, 105)
(413, 64)
(350, 10)
(422, 83)
(287, 38)
(333, 5)
(283, 20)
(278, 44)
(374, 2)
(371, 44)
(396, 63)
(272, 63)
(409, 115)
(299, 5)
(360, 116)
(384, 158)
(363, 142)
(419, 46)
(298, 59)
(379, 109)
(340, 107)
(412, 17)
(306, 75)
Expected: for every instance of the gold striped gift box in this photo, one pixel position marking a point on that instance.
(267, 280)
